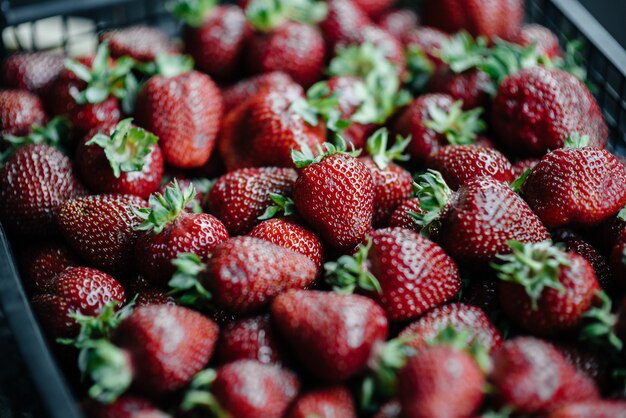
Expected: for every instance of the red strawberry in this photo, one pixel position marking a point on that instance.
(335, 402)
(79, 290)
(241, 91)
(401, 217)
(19, 111)
(532, 376)
(591, 409)
(142, 43)
(124, 407)
(537, 109)
(457, 315)
(547, 43)
(374, 8)
(392, 269)
(460, 163)
(291, 235)
(398, 22)
(522, 165)
(472, 87)
(103, 230)
(435, 120)
(41, 263)
(391, 409)
(332, 335)
(239, 198)
(427, 42)
(492, 18)
(334, 193)
(120, 159)
(33, 184)
(345, 20)
(252, 338)
(171, 230)
(154, 296)
(184, 110)
(32, 71)
(544, 289)
(576, 186)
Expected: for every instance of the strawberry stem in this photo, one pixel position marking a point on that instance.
(265, 15)
(377, 148)
(518, 183)
(108, 367)
(192, 12)
(434, 195)
(320, 104)
(601, 329)
(186, 283)
(305, 156)
(459, 127)
(285, 206)
(576, 140)
(164, 208)
(463, 340)
(55, 134)
(350, 272)
(198, 396)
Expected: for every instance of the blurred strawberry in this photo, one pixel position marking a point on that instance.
(41, 263)
(19, 111)
(591, 409)
(398, 22)
(401, 217)
(239, 92)
(250, 338)
(546, 42)
(344, 21)
(32, 71)
(142, 43)
(124, 407)
(332, 402)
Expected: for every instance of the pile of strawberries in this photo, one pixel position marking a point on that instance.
(321, 209)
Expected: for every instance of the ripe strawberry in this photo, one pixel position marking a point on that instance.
(472, 87)
(392, 183)
(242, 90)
(240, 197)
(34, 182)
(390, 268)
(251, 338)
(183, 109)
(344, 21)
(493, 19)
(544, 289)
(334, 193)
(171, 230)
(320, 328)
(374, 8)
(124, 407)
(522, 165)
(576, 186)
(291, 235)
(334, 402)
(591, 409)
(142, 43)
(427, 42)
(41, 263)
(32, 71)
(460, 163)
(19, 111)
(537, 109)
(435, 120)
(79, 290)
(547, 43)
(262, 131)
(102, 230)
(532, 376)
(398, 22)
(120, 159)
(457, 315)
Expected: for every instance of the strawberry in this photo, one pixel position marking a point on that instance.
(35, 181)
(334, 193)
(334, 402)
(41, 263)
(522, 165)
(183, 108)
(120, 159)
(591, 409)
(201, 186)
(374, 8)
(401, 218)
(19, 111)
(251, 338)
(344, 21)
(240, 197)
(392, 183)
(544, 289)
(125, 407)
(391, 409)
(244, 89)
(587, 360)
(459, 316)
(493, 19)
(320, 328)
(435, 120)
(398, 22)
(79, 290)
(537, 109)
(32, 71)
(391, 268)
(169, 230)
(102, 230)
(426, 42)
(576, 186)
(532, 376)
(546, 42)
(291, 235)
(384, 41)
(460, 163)
(472, 87)
(243, 389)
(142, 43)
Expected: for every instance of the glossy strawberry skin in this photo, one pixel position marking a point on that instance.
(142, 43)
(35, 181)
(166, 345)
(460, 163)
(461, 317)
(32, 71)
(344, 21)
(471, 86)
(588, 361)
(440, 381)
(245, 273)
(249, 389)
(400, 217)
(321, 195)
(250, 338)
(398, 259)
(240, 197)
(97, 174)
(124, 407)
(188, 233)
(332, 402)
(591, 409)
(318, 327)
(239, 92)
(41, 263)
(484, 214)
(576, 186)
(217, 45)
(399, 22)
(19, 110)
(102, 230)
(536, 109)
(547, 43)
(185, 112)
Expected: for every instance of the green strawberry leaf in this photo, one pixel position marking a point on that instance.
(282, 205)
(192, 12)
(459, 127)
(376, 147)
(576, 140)
(265, 15)
(164, 208)
(55, 133)
(434, 195)
(350, 272)
(186, 283)
(305, 156)
(601, 328)
(518, 183)
(420, 69)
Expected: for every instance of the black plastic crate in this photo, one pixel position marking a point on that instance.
(605, 60)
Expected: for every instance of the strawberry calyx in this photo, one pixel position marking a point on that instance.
(126, 148)
(420, 69)
(186, 283)
(518, 183)
(463, 52)
(351, 271)
(621, 215)
(319, 103)
(376, 147)
(434, 195)
(192, 12)
(199, 396)
(535, 266)
(265, 15)
(306, 157)
(458, 126)
(601, 327)
(576, 140)
(463, 340)
(165, 208)
(54, 133)
(283, 205)
(166, 65)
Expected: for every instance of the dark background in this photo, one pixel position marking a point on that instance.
(611, 14)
